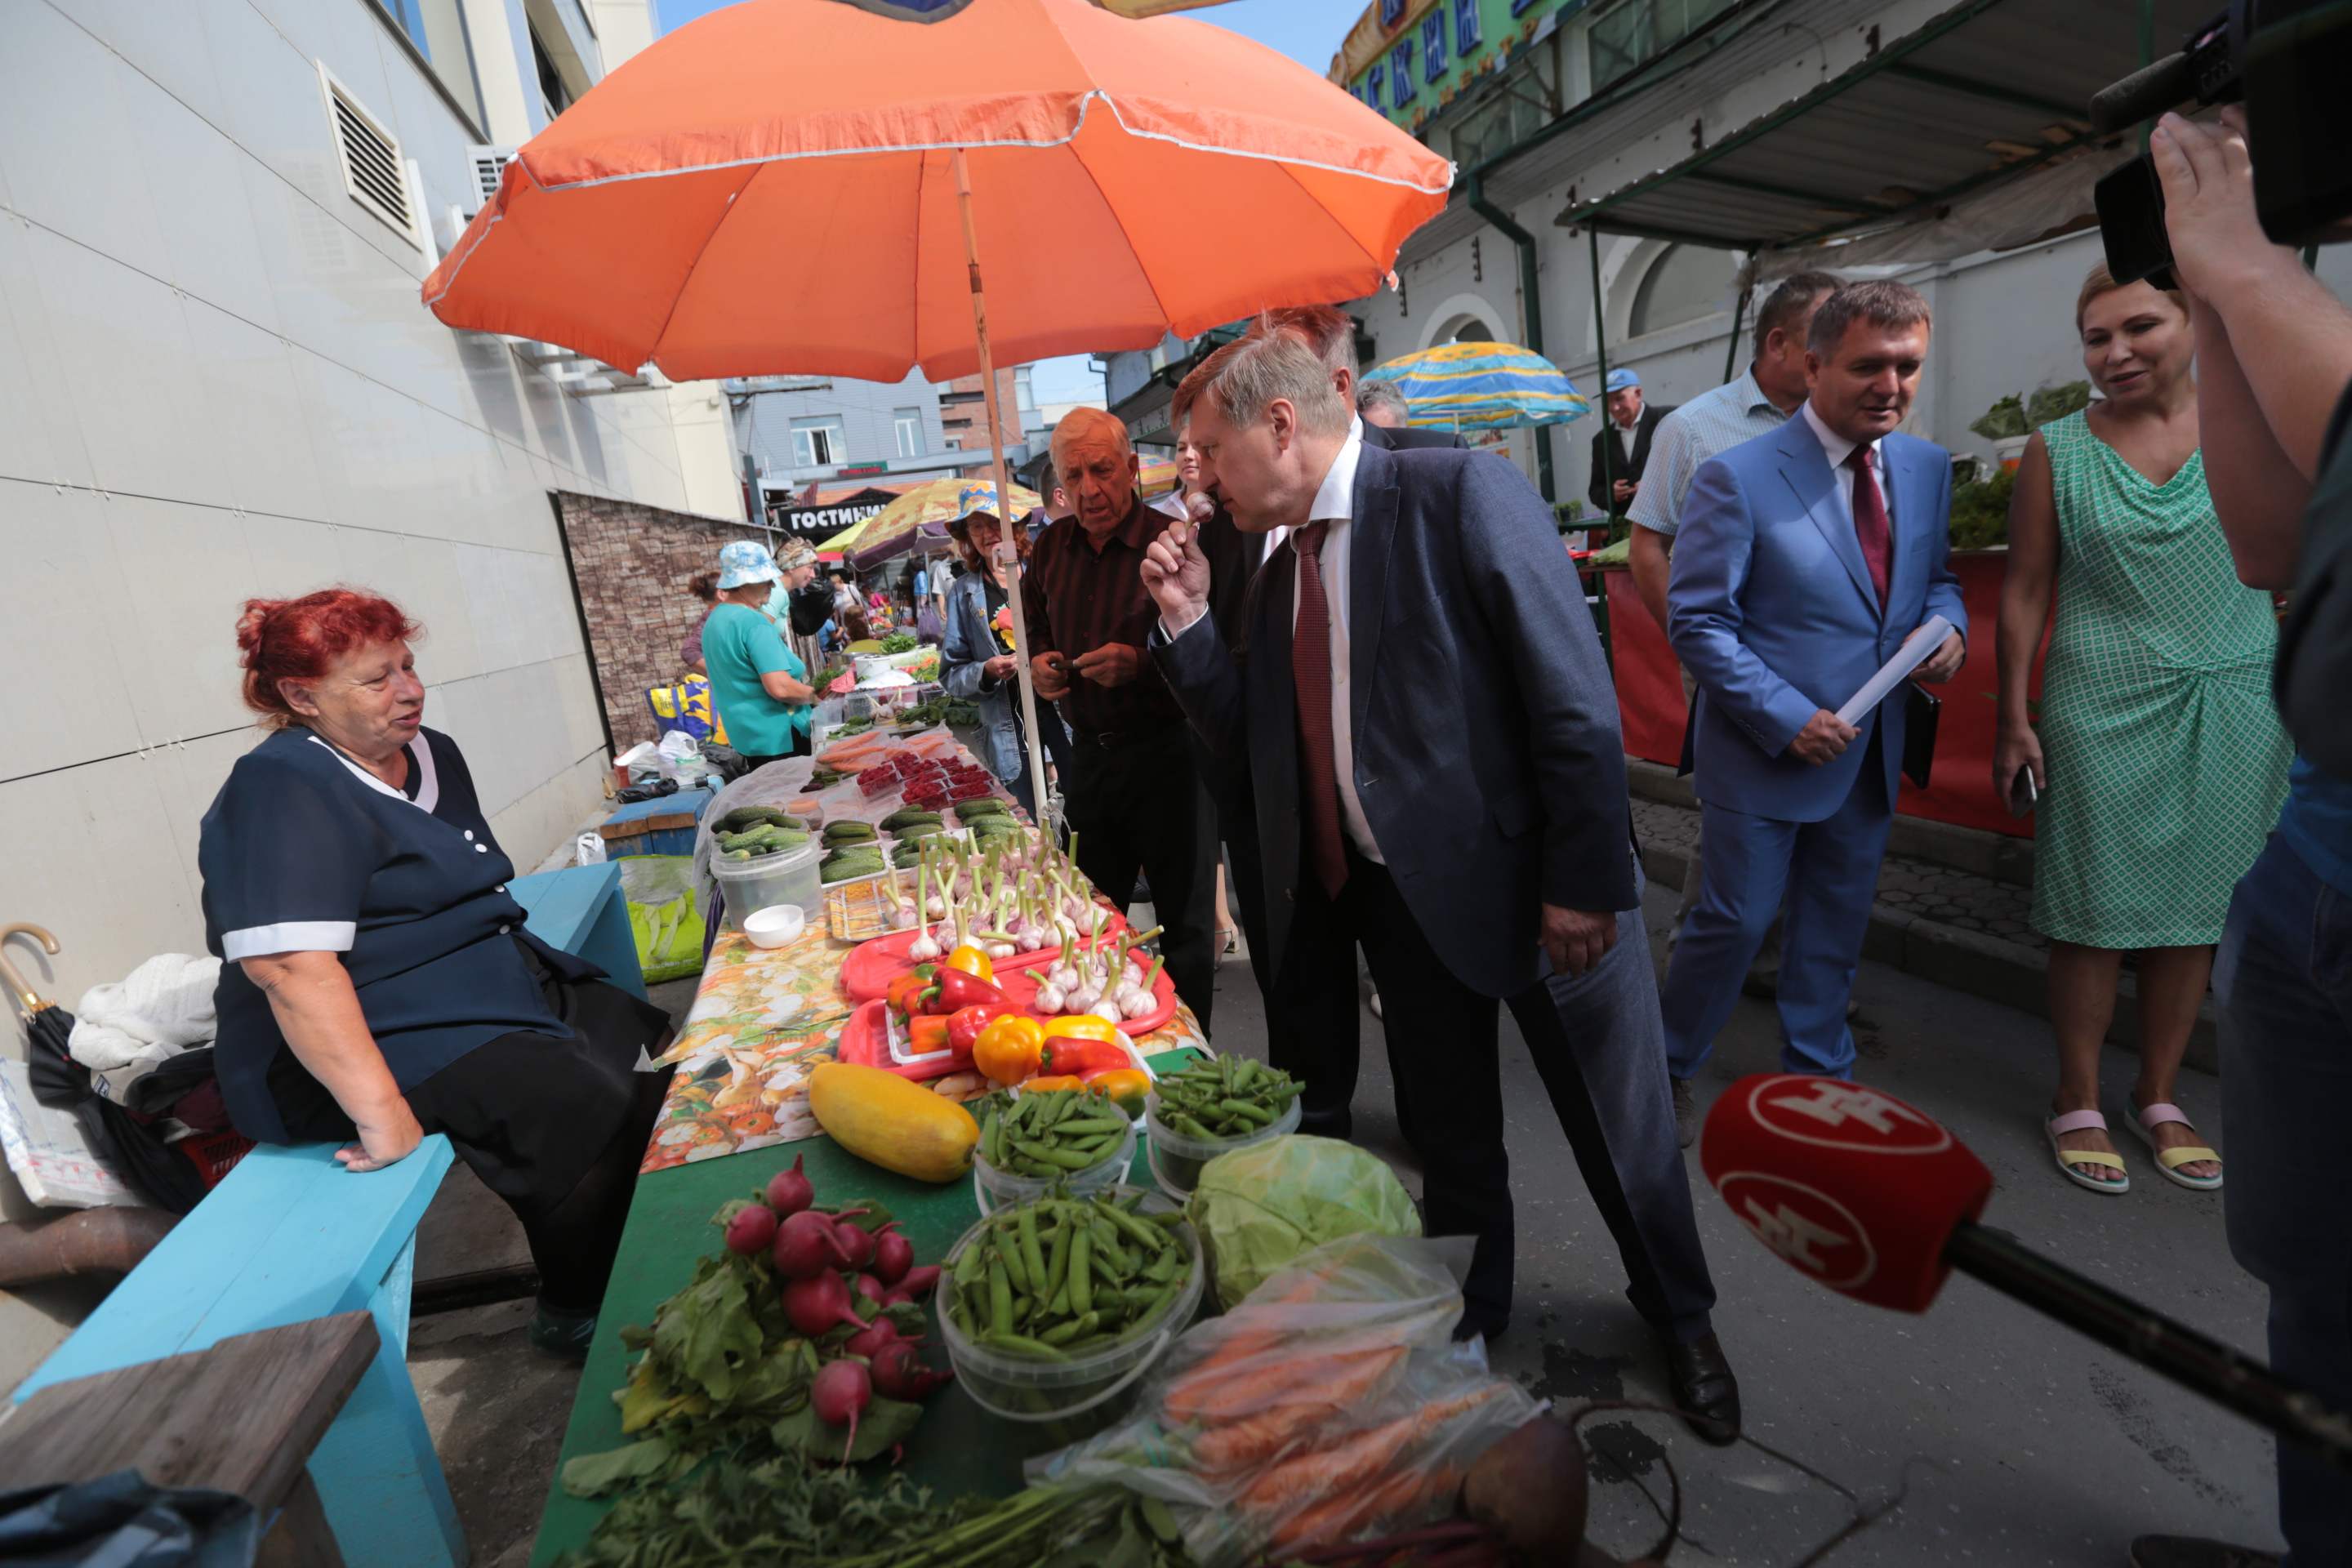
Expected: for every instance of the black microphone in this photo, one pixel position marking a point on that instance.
(1878, 1200)
(2143, 95)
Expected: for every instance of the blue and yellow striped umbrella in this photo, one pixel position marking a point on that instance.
(1482, 387)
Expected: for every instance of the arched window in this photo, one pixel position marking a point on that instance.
(1474, 331)
(1682, 283)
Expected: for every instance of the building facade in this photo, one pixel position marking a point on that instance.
(1630, 175)
(217, 383)
(799, 431)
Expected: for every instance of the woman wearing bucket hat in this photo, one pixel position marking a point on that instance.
(757, 684)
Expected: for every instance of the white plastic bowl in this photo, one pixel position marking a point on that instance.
(775, 925)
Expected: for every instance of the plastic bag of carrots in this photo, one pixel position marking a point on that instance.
(1331, 1403)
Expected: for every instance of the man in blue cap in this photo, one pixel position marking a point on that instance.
(1621, 448)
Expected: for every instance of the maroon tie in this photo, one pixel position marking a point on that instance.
(1870, 521)
(1310, 676)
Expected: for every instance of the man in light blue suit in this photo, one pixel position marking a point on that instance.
(1806, 557)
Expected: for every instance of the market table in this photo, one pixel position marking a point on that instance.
(760, 1021)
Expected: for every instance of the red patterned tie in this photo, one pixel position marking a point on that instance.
(1310, 676)
(1870, 521)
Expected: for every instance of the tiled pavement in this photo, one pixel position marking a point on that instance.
(1919, 887)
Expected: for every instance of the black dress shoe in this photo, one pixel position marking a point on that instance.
(1474, 1321)
(1703, 1389)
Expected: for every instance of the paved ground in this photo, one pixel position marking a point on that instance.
(2021, 1443)
(1918, 887)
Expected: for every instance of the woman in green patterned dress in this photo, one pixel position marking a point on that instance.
(2165, 761)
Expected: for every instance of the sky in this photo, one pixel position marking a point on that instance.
(1308, 31)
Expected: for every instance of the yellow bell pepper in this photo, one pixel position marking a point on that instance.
(1009, 1049)
(1084, 1026)
(972, 961)
(1126, 1086)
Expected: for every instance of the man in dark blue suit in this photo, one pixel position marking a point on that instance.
(1436, 774)
(1806, 557)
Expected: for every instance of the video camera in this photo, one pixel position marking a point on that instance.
(2288, 62)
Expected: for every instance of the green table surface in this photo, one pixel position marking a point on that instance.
(957, 1450)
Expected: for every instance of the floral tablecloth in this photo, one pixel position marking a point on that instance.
(761, 1019)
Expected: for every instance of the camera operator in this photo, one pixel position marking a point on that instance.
(2273, 363)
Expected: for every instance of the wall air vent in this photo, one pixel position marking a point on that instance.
(373, 172)
(488, 164)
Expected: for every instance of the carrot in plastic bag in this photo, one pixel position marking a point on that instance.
(1338, 1386)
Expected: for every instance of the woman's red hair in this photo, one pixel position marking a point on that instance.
(298, 639)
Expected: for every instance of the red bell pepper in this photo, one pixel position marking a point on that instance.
(1067, 1054)
(954, 990)
(965, 1024)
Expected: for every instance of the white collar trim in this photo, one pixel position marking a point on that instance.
(429, 782)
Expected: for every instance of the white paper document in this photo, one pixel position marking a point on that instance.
(1914, 652)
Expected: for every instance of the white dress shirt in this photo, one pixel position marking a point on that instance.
(1625, 434)
(1838, 448)
(1335, 502)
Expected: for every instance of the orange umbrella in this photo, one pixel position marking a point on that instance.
(801, 186)
(771, 189)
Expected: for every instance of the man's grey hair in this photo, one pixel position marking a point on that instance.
(1883, 303)
(1787, 305)
(1080, 422)
(1383, 394)
(1242, 378)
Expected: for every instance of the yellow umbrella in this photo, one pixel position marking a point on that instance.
(845, 538)
(926, 511)
(1158, 477)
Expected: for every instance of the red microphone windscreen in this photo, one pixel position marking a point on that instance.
(1850, 1185)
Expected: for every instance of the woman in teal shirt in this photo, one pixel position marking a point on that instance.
(757, 684)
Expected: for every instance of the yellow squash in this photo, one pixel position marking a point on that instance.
(897, 1125)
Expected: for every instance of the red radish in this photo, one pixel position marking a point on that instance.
(856, 1246)
(789, 1192)
(805, 1246)
(919, 1281)
(841, 1392)
(870, 1287)
(820, 1303)
(899, 1373)
(752, 1230)
(892, 1256)
(868, 1342)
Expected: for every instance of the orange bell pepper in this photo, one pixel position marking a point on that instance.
(903, 992)
(1126, 1086)
(972, 961)
(1009, 1049)
(928, 1032)
(1047, 1085)
(1086, 1027)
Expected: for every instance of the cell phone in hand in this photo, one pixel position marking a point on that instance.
(2022, 797)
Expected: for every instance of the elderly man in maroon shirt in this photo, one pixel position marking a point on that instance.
(1134, 797)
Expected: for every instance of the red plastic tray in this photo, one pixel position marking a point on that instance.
(871, 967)
(1021, 985)
(864, 1040)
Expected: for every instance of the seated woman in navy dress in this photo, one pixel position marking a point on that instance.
(377, 983)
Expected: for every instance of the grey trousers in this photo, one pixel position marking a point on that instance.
(1765, 969)
(1599, 1045)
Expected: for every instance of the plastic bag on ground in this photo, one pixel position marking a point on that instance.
(1260, 1207)
(1331, 1403)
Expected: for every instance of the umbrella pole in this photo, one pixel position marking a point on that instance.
(1010, 553)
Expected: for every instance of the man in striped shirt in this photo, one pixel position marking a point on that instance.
(1134, 797)
(1756, 403)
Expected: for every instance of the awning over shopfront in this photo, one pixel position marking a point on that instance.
(1985, 98)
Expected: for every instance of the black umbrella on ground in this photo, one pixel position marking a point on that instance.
(127, 1145)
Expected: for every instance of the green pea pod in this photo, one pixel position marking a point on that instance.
(1008, 1253)
(1119, 1220)
(1058, 1257)
(1081, 1280)
(1026, 1346)
(971, 1269)
(1000, 1299)
(1060, 1306)
(1060, 1159)
(1257, 1114)
(1094, 1125)
(1192, 1128)
(992, 1141)
(1062, 1334)
(1033, 1259)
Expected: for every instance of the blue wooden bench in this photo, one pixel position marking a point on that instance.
(290, 1235)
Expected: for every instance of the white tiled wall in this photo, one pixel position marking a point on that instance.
(216, 382)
